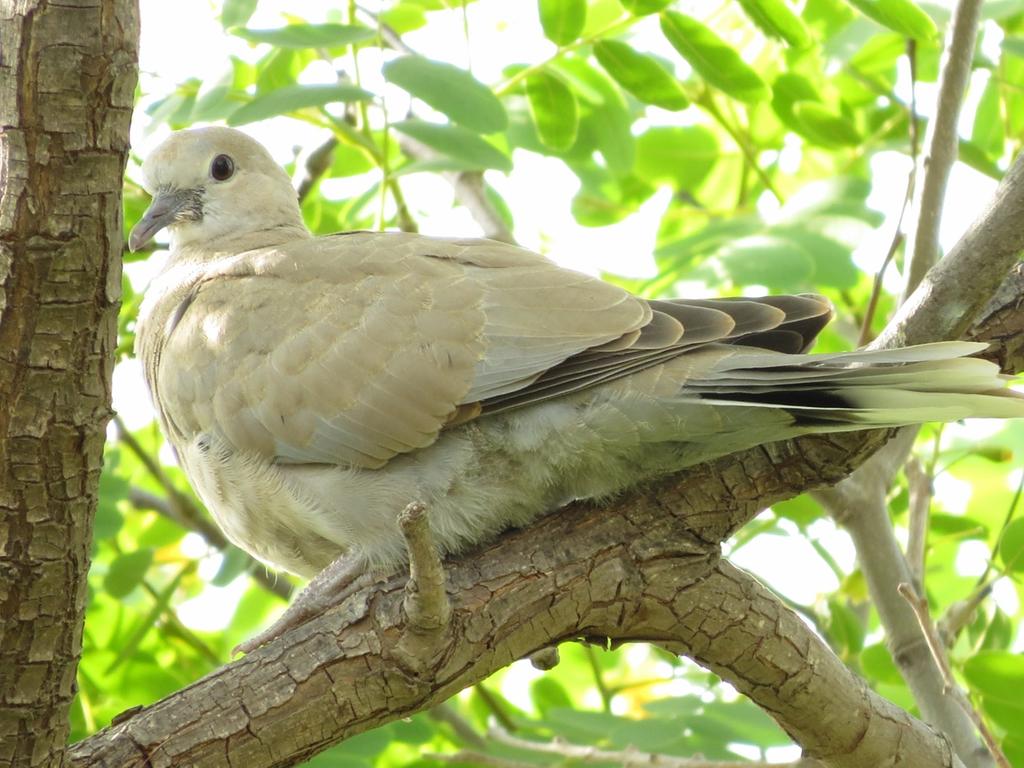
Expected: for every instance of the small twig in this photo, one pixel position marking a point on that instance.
(426, 603)
(920, 486)
(627, 757)
(495, 707)
(468, 185)
(876, 288)
(960, 614)
(919, 605)
(706, 101)
(468, 757)
(445, 713)
(317, 163)
(952, 294)
(941, 142)
(602, 689)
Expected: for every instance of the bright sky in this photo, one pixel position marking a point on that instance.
(539, 190)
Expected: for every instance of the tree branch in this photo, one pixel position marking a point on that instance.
(919, 605)
(631, 570)
(943, 306)
(955, 290)
(647, 568)
(941, 141)
(630, 757)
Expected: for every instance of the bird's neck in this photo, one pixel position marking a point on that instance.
(185, 247)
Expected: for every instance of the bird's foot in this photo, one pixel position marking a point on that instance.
(343, 577)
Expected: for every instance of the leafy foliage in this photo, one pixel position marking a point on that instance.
(765, 122)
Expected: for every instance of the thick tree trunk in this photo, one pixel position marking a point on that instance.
(67, 82)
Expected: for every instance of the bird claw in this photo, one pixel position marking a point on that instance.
(330, 587)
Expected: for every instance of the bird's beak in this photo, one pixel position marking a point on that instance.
(166, 207)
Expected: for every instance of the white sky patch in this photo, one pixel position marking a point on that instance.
(971, 558)
(213, 608)
(952, 493)
(515, 686)
(789, 564)
(1004, 593)
(131, 399)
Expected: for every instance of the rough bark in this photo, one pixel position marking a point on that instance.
(646, 568)
(67, 80)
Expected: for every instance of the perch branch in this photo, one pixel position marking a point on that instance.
(622, 571)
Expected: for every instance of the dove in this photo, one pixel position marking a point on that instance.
(313, 387)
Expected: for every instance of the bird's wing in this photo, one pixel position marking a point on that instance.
(355, 348)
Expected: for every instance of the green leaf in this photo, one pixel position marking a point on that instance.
(126, 572)
(999, 632)
(606, 199)
(642, 75)
(547, 694)
(845, 629)
(403, 17)
(217, 104)
(997, 673)
(999, 677)
(987, 131)
(766, 260)
(972, 155)
(308, 35)
(607, 121)
(292, 98)
(833, 261)
(449, 90)
(776, 19)
(235, 563)
(1013, 748)
(683, 156)
(280, 68)
(160, 533)
(788, 90)
(235, 13)
(677, 255)
(828, 16)
(802, 510)
(1011, 546)
(824, 127)
(713, 59)
(645, 7)
(562, 20)
(877, 664)
(456, 142)
(554, 110)
(901, 16)
(958, 526)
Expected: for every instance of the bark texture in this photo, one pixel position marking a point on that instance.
(646, 568)
(67, 81)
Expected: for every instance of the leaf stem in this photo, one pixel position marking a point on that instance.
(616, 26)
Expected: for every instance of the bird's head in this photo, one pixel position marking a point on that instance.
(214, 185)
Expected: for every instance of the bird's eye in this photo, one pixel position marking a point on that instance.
(222, 168)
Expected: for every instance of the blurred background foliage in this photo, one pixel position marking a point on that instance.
(765, 132)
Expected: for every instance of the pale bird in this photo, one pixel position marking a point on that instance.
(313, 387)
